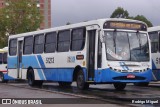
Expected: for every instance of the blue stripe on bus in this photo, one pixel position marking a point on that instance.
(7, 77)
(40, 70)
(122, 64)
(41, 61)
(153, 65)
(107, 75)
(27, 61)
(156, 75)
(60, 74)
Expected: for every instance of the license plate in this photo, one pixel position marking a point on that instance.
(130, 76)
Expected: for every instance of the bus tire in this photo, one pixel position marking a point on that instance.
(65, 84)
(81, 84)
(2, 77)
(119, 86)
(143, 84)
(30, 77)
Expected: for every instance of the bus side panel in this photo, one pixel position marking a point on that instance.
(41, 72)
(12, 67)
(155, 66)
(3, 68)
(156, 75)
(32, 62)
(24, 73)
(59, 74)
(107, 75)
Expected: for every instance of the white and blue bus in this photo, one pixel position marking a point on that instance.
(114, 51)
(154, 33)
(3, 63)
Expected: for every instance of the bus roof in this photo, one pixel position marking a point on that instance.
(99, 22)
(155, 28)
(2, 51)
(5, 49)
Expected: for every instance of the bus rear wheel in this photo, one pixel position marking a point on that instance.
(119, 86)
(30, 76)
(81, 84)
(65, 84)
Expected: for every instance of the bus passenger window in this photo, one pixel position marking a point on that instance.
(154, 41)
(77, 39)
(50, 42)
(38, 44)
(63, 41)
(13, 47)
(28, 45)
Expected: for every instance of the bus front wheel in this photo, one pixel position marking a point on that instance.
(119, 86)
(81, 84)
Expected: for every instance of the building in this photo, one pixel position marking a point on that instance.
(45, 9)
(1, 3)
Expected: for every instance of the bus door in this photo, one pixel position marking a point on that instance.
(19, 58)
(91, 54)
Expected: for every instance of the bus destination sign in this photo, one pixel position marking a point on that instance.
(124, 25)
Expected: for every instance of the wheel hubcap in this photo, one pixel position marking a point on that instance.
(30, 79)
(80, 80)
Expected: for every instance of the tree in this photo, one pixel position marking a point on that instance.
(19, 16)
(68, 23)
(120, 13)
(144, 19)
(3, 37)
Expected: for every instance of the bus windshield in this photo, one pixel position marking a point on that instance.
(126, 46)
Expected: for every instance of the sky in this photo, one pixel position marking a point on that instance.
(75, 11)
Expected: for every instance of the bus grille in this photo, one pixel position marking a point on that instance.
(125, 78)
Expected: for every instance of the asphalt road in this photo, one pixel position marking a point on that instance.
(22, 90)
(103, 95)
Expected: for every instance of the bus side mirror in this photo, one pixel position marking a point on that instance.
(6, 67)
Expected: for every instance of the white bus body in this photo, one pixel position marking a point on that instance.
(154, 33)
(3, 63)
(88, 52)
